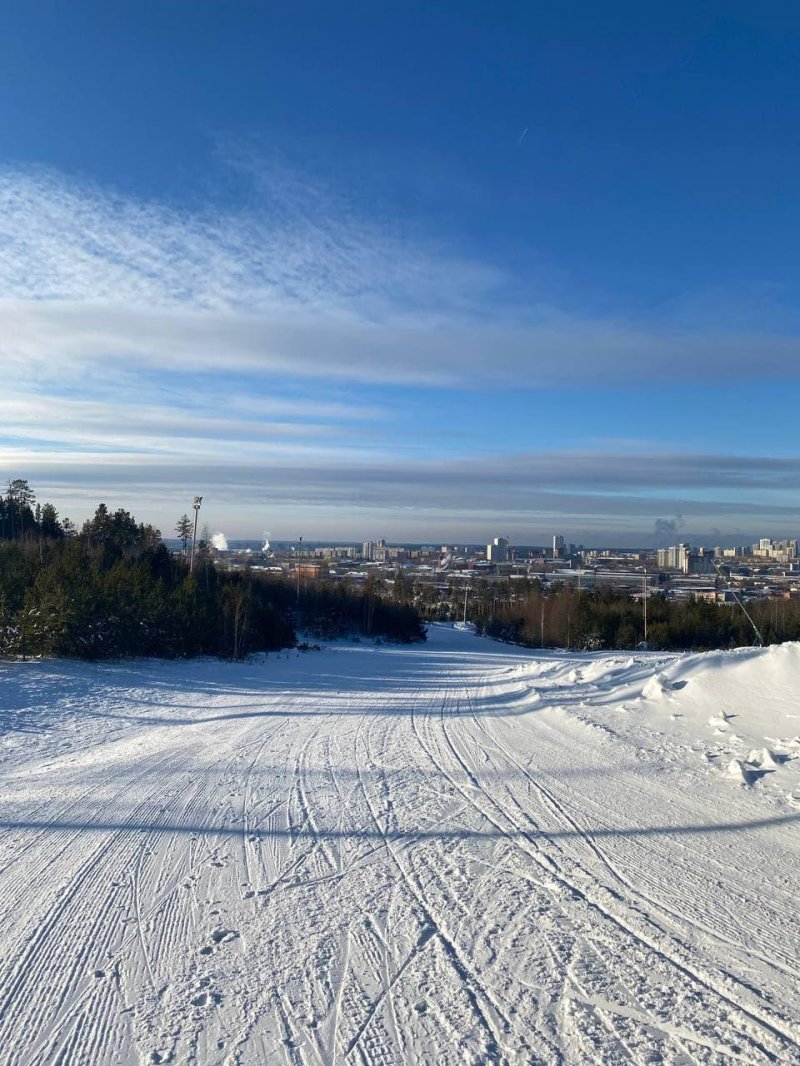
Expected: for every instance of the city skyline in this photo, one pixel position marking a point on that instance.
(434, 275)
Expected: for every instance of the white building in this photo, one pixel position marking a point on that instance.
(497, 551)
(674, 558)
(782, 551)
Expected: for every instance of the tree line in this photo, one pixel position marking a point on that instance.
(113, 589)
(327, 609)
(560, 616)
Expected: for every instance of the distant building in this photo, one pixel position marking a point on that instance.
(558, 547)
(687, 560)
(368, 550)
(674, 558)
(781, 551)
(311, 571)
(497, 551)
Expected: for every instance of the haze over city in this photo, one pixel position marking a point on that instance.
(394, 271)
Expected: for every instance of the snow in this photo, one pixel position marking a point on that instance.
(455, 853)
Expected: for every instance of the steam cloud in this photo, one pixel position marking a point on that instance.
(220, 542)
(666, 527)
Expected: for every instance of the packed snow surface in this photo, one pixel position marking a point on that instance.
(454, 853)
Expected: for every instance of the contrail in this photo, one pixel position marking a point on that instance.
(521, 137)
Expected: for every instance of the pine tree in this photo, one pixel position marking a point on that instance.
(20, 497)
(184, 530)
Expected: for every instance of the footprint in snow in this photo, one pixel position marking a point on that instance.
(205, 999)
(224, 936)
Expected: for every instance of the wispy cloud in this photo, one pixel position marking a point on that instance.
(146, 347)
(92, 280)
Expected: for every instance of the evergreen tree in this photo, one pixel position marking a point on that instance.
(19, 499)
(184, 531)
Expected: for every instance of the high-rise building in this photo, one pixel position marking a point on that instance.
(779, 550)
(558, 546)
(497, 551)
(674, 558)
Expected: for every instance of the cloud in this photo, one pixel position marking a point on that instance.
(527, 494)
(139, 426)
(301, 285)
(147, 347)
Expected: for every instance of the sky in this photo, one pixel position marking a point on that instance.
(422, 271)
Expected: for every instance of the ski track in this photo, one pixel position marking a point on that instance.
(447, 854)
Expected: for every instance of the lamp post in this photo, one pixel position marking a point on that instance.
(197, 501)
(299, 562)
(644, 600)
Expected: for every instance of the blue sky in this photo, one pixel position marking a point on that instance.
(422, 271)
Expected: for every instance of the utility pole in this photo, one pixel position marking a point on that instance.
(299, 561)
(197, 501)
(644, 602)
(466, 596)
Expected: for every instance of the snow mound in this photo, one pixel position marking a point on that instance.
(765, 759)
(720, 719)
(657, 686)
(739, 772)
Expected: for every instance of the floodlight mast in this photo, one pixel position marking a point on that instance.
(197, 501)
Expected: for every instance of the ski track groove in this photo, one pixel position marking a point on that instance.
(676, 917)
(382, 851)
(472, 986)
(516, 835)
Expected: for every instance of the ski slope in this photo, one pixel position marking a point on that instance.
(455, 853)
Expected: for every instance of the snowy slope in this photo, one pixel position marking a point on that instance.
(457, 853)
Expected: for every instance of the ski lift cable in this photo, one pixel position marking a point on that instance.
(731, 589)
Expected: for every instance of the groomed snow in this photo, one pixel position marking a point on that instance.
(455, 853)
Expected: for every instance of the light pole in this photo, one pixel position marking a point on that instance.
(299, 561)
(197, 501)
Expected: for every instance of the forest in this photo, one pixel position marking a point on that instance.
(560, 616)
(113, 589)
